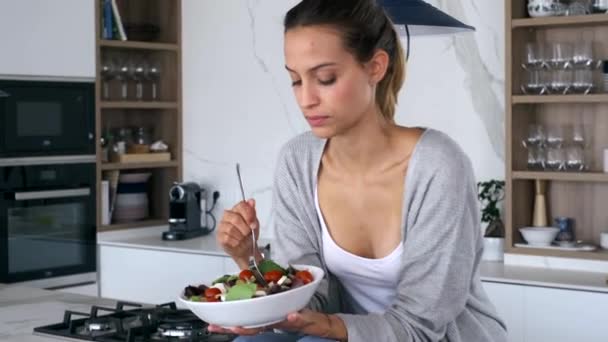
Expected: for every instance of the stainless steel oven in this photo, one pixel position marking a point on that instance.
(47, 219)
(39, 118)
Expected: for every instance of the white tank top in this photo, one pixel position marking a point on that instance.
(371, 284)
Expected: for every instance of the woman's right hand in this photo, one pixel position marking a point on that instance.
(234, 230)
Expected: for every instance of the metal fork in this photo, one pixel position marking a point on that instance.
(256, 270)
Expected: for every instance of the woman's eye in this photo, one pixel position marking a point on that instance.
(328, 81)
(296, 83)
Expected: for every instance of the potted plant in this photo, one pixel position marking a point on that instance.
(490, 193)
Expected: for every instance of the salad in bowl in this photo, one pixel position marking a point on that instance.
(239, 300)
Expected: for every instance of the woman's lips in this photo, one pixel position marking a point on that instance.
(316, 120)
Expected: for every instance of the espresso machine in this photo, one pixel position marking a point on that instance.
(187, 212)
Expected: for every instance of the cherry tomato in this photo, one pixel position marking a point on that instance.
(304, 276)
(212, 299)
(245, 275)
(273, 276)
(211, 293)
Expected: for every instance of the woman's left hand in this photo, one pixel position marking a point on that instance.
(306, 322)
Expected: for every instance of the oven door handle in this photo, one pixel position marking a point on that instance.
(35, 195)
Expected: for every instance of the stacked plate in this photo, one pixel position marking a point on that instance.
(132, 197)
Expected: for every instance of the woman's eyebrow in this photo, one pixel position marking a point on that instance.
(316, 67)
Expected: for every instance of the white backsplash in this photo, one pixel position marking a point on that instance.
(239, 106)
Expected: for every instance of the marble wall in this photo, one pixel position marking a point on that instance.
(239, 106)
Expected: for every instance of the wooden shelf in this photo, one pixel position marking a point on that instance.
(127, 166)
(119, 44)
(578, 195)
(532, 99)
(137, 224)
(577, 20)
(137, 105)
(562, 176)
(598, 254)
(161, 46)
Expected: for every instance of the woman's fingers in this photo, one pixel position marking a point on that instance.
(247, 211)
(236, 220)
(236, 330)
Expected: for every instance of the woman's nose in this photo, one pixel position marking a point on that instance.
(308, 95)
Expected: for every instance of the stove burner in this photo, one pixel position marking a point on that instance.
(182, 330)
(101, 326)
(163, 323)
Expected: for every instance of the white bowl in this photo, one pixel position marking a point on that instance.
(259, 311)
(539, 236)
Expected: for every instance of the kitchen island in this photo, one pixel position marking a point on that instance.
(22, 309)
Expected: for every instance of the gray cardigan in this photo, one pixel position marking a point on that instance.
(440, 296)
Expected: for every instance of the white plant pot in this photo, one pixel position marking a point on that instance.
(493, 249)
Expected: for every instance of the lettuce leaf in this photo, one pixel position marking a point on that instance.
(241, 291)
(269, 265)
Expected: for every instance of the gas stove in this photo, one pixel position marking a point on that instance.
(138, 324)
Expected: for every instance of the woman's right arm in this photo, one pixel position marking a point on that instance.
(234, 232)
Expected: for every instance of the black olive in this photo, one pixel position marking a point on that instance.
(274, 289)
(191, 291)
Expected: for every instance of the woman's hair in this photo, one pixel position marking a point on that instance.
(365, 28)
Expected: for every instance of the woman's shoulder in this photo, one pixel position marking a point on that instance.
(438, 151)
(302, 148)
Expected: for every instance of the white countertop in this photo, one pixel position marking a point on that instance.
(22, 309)
(150, 238)
(545, 277)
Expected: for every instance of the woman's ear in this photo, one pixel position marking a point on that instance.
(377, 66)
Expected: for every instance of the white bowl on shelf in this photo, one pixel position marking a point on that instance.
(260, 311)
(539, 236)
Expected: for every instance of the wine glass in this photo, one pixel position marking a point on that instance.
(136, 73)
(152, 72)
(122, 74)
(108, 72)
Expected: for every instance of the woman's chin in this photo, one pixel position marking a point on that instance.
(323, 132)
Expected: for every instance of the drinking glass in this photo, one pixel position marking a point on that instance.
(561, 56)
(536, 158)
(534, 82)
(583, 81)
(575, 158)
(582, 56)
(578, 135)
(555, 136)
(536, 136)
(560, 81)
(555, 159)
(534, 56)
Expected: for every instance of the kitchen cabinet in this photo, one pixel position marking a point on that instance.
(545, 314)
(48, 38)
(152, 276)
(509, 302)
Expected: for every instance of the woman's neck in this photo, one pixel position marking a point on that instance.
(365, 147)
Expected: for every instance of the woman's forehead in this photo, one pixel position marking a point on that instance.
(311, 45)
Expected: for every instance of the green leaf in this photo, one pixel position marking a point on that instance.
(269, 265)
(221, 279)
(195, 298)
(241, 291)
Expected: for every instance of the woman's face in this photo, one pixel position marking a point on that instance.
(334, 91)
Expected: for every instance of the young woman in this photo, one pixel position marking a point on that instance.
(389, 212)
